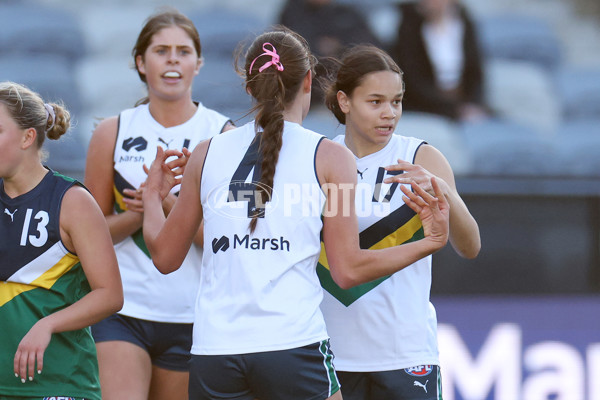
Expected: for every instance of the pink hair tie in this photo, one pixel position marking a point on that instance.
(50, 113)
(274, 59)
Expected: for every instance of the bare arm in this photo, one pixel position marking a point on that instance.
(99, 179)
(168, 250)
(350, 265)
(464, 231)
(85, 232)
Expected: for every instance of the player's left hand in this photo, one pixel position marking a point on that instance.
(434, 211)
(31, 351)
(163, 175)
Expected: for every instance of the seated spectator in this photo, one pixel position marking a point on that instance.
(329, 28)
(437, 48)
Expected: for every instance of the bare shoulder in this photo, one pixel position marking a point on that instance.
(106, 131)
(199, 152)
(435, 162)
(334, 161)
(428, 155)
(429, 151)
(328, 149)
(78, 199)
(195, 164)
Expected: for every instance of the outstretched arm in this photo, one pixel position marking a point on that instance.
(169, 238)
(350, 265)
(430, 162)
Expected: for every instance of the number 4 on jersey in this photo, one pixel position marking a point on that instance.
(240, 189)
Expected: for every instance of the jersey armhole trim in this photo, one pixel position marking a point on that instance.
(417, 149)
(315, 162)
(73, 184)
(116, 137)
(228, 122)
(204, 162)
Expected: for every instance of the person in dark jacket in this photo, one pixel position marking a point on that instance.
(437, 48)
(329, 28)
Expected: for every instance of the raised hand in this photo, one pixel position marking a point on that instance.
(433, 211)
(163, 175)
(414, 173)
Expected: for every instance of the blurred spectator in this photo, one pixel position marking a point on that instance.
(437, 48)
(329, 28)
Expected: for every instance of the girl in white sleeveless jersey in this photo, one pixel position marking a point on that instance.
(384, 332)
(144, 350)
(258, 331)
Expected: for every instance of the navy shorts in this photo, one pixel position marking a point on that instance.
(423, 382)
(168, 344)
(303, 373)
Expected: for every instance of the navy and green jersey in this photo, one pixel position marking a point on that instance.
(38, 277)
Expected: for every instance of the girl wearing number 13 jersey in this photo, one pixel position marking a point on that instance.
(58, 269)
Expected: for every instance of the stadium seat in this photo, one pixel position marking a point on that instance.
(578, 147)
(524, 93)
(67, 155)
(520, 37)
(441, 133)
(504, 148)
(322, 121)
(221, 30)
(579, 92)
(110, 33)
(218, 86)
(51, 76)
(34, 28)
(108, 85)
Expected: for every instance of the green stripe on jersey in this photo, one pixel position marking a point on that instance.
(120, 185)
(411, 230)
(70, 364)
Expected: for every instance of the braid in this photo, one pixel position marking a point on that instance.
(270, 118)
(273, 88)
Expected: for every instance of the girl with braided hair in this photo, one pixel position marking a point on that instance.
(265, 191)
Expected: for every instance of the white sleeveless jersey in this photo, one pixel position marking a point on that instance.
(389, 323)
(149, 294)
(260, 291)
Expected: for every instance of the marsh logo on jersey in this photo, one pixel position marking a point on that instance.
(420, 370)
(139, 143)
(220, 244)
(246, 242)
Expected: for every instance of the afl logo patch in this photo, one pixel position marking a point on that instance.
(420, 370)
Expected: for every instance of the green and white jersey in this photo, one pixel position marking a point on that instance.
(149, 294)
(38, 277)
(259, 291)
(388, 323)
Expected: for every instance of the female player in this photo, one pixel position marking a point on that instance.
(58, 269)
(143, 350)
(384, 332)
(258, 331)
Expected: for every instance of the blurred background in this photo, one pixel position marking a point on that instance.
(520, 321)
